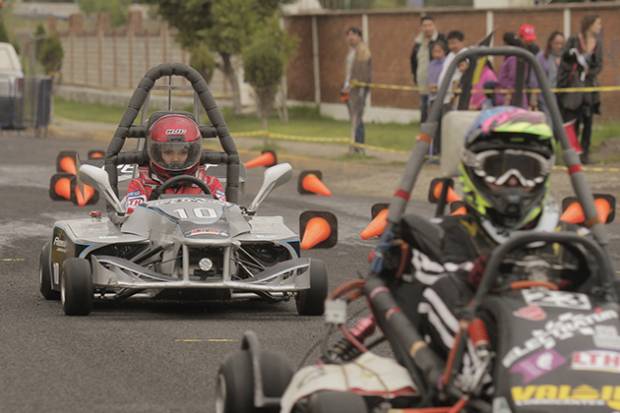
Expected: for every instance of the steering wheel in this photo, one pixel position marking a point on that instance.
(175, 180)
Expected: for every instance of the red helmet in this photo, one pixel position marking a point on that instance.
(173, 145)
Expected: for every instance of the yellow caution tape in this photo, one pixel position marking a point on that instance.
(342, 140)
(387, 86)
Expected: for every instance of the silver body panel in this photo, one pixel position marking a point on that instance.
(176, 226)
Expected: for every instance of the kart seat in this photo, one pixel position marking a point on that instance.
(454, 125)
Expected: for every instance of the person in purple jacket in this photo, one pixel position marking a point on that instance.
(507, 77)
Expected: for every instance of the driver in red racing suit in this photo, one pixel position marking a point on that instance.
(174, 148)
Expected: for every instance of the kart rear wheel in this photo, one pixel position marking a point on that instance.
(45, 275)
(76, 287)
(312, 300)
(333, 401)
(234, 392)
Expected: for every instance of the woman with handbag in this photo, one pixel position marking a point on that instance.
(582, 61)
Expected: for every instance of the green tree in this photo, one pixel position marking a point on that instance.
(49, 52)
(4, 36)
(202, 60)
(117, 9)
(224, 25)
(264, 61)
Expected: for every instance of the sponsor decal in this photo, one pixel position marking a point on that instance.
(596, 360)
(205, 231)
(561, 299)
(134, 200)
(564, 327)
(566, 395)
(538, 364)
(606, 337)
(177, 131)
(531, 312)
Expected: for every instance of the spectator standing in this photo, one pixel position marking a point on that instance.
(439, 49)
(488, 80)
(358, 67)
(527, 35)
(550, 58)
(456, 44)
(581, 63)
(420, 59)
(507, 76)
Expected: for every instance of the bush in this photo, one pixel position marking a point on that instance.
(202, 60)
(49, 51)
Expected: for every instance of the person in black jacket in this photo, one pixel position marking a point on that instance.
(581, 63)
(421, 57)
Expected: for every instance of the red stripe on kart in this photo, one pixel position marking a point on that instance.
(400, 193)
(573, 169)
(389, 313)
(378, 291)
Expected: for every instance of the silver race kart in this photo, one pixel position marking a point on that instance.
(178, 246)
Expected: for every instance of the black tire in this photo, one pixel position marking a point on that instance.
(333, 401)
(76, 287)
(235, 385)
(45, 275)
(276, 373)
(312, 300)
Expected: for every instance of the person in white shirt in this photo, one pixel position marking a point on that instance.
(456, 44)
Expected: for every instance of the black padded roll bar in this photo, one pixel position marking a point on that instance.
(140, 132)
(126, 128)
(430, 128)
(605, 274)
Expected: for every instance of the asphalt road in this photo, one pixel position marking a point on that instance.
(138, 356)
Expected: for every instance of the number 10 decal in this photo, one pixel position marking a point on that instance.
(197, 212)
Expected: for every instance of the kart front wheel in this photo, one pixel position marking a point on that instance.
(234, 391)
(235, 382)
(76, 287)
(45, 275)
(312, 300)
(333, 401)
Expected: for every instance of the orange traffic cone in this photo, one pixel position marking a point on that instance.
(376, 226)
(573, 214)
(67, 161)
(603, 209)
(62, 188)
(310, 183)
(319, 229)
(268, 158)
(96, 154)
(451, 196)
(85, 195)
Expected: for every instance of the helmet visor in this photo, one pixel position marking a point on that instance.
(498, 166)
(174, 156)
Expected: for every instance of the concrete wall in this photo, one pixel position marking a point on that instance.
(390, 37)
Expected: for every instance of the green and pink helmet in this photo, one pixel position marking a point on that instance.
(505, 165)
